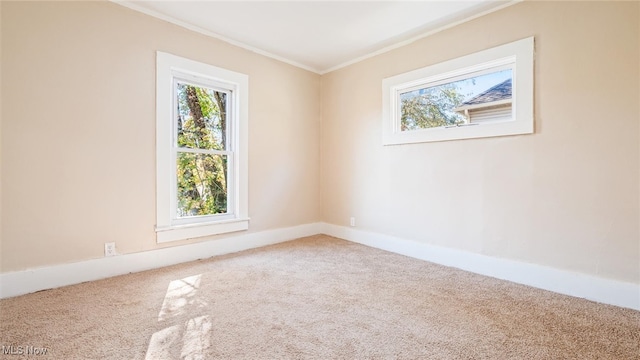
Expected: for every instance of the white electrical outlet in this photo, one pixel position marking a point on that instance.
(110, 249)
(352, 221)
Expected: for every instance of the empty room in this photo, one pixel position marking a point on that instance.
(320, 179)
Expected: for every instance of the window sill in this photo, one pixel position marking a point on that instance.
(183, 232)
(478, 130)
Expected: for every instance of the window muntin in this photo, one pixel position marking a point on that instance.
(489, 93)
(201, 149)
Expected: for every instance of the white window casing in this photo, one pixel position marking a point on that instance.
(171, 68)
(517, 56)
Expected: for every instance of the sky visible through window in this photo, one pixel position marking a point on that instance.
(476, 85)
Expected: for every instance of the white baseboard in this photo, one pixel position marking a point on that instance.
(598, 289)
(32, 280)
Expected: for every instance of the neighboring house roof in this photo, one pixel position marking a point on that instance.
(491, 105)
(498, 92)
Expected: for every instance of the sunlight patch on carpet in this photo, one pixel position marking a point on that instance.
(180, 293)
(162, 343)
(196, 338)
(193, 338)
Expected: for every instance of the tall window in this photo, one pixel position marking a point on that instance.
(201, 149)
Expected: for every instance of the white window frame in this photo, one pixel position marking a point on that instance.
(170, 69)
(518, 56)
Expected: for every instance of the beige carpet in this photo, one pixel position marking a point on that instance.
(313, 298)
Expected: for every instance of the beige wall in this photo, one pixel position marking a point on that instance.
(78, 131)
(565, 197)
(78, 122)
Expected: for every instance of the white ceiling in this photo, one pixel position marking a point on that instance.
(316, 35)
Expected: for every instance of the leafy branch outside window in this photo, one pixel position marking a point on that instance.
(431, 107)
(201, 176)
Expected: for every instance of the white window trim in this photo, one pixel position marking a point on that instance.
(518, 55)
(168, 68)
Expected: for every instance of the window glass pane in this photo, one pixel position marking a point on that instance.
(202, 184)
(472, 100)
(202, 117)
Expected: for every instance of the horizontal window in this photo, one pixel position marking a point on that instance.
(489, 93)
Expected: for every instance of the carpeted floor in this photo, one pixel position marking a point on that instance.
(313, 298)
